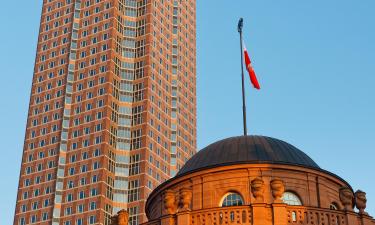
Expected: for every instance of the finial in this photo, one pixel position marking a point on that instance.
(240, 25)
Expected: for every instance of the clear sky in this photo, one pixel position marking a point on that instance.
(314, 61)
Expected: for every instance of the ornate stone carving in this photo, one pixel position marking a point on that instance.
(123, 217)
(114, 220)
(360, 201)
(278, 189)
(346, 198)
(257, 188)
(170, 202)
(185, 198)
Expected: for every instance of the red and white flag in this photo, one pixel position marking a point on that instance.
(249, 68)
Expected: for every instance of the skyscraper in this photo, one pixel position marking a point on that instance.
(112, 109)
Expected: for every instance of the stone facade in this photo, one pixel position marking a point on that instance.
(255, 180)
(196, 198)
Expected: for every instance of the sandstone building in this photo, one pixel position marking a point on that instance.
(254, 180)
(112, 108)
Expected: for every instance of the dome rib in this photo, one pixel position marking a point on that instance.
(247, 150)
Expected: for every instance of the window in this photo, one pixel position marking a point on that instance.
(80, 208)
(79, 221)
(291, 199)
(22, 221)
(92, 205)
(23, 208)
(81, 195)
(333, 206)
(46, 203)
(232, 199)
(92, 219)
(45, 216)
(33, 219)
(68, 211)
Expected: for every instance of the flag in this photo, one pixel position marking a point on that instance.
(249, 68)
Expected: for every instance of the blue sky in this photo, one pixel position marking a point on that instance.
(314, 60)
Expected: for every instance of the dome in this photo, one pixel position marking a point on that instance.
(247, 150)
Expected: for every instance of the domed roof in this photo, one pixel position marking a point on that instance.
(247, 150)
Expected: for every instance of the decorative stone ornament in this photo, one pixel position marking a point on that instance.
(114, 220)
(123, 217)
(278, 189)
(185, 198)
(346, 198)
(170, 202)
(257, 188)
(360, 201)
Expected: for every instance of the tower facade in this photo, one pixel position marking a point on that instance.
(112, 109)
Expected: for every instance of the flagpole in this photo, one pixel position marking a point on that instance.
(240, 25)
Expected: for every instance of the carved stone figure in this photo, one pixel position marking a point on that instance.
(257, 188)
(114, 220)
(185, 198)
(123, 217)
(360, 201)
(278, 189)
(170, 202)
(347, 198)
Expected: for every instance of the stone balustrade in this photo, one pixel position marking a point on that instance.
(222, 215)
(307, 215)
(244, 215)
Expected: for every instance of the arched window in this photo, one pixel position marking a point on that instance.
(333, 206)
(232, 199)
(291, 199)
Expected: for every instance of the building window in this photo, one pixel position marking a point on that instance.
(291, 199)
(92, 219)
(333, 206)
(22, 221)
(232, 199)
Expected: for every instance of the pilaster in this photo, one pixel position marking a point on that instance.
(260, 214)
(279, 214)
(168, 220)
(183, 218)
(366, 220)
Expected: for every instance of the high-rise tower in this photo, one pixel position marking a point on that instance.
(112, 109)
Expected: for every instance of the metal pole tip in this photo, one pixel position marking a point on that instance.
(240, 25)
